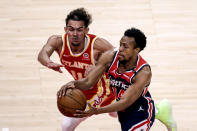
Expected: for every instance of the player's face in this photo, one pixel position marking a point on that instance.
(76, 32)
(127, 49)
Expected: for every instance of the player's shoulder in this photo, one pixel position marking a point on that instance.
(102, 44)
(110, 53)
(145, 71)
(144, 75)
(55, 40)
(107, 57)
(55, 37)
(100, 40)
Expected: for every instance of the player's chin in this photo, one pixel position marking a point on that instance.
(121, 58)
(75, 43)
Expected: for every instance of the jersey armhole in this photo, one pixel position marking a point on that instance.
(92, 49)
(139, 69)
(63, 45)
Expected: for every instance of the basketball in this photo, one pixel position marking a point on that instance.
(69, 103)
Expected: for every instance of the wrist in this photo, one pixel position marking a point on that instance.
(97, 111)
(48, 62)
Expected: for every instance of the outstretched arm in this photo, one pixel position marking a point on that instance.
(141, 80)
(93, 76)
(54, 43)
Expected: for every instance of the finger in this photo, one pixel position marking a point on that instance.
(78, 115)
(69, 91)
(57, 94)
(60, 93)
(79, 111)
(63, 92)
(72, 85)
(54, 65)
(60, 71)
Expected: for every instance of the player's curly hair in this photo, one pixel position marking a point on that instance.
(140, 38)
(79, 14)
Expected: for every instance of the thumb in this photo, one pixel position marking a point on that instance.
(60, 71)
(60, 65)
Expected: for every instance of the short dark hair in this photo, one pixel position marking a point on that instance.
(79, 14)
(140, 38)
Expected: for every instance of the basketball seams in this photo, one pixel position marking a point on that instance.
(75, 100)
(64, 106)
(69, 103)
(66, 112)
(81, 94)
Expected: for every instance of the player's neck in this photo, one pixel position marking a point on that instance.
(127, 65)
(77, 48)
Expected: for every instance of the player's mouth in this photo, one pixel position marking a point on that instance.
(75, 39)
(121, 56)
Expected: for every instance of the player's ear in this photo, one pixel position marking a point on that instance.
(86, 30)
(65, 29)
(137, 50)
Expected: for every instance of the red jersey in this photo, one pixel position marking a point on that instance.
(120, 82)
(79, 64)
(132, 118)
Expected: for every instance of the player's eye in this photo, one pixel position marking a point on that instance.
(80, 29)
(71, 29)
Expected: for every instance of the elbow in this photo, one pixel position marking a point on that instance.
(39, 57)
(126, 102)
(88, 84)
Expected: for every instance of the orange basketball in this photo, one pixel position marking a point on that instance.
(69, 103)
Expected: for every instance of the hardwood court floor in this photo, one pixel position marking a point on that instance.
(28, 90)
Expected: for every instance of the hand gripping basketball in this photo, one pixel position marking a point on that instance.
(70, 102)
(65, 89)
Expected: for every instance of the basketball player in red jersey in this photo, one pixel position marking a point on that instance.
(130, 76)
(79, 52)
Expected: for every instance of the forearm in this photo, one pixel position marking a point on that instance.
(82, 84)
(53, 44)
(92, 78)
(126, 101)
(117, 106)
(44, 59)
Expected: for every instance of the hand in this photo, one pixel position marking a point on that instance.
(65, 89)
(92, 110)
(55, 66)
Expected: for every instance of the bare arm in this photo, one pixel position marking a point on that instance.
(141, 80)
(92, 77)
(100, 46)
(96, 73)
(54, 43)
